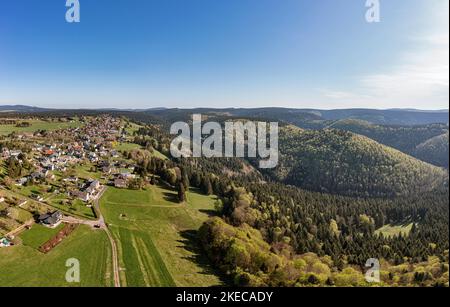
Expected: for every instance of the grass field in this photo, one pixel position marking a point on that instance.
(37, 125)
(77, 208)
(127, 146)
(25, 266)
(159, 155)
(394, 230)
(31, 189)
(38, 235)
(156, 236)
(132, 128)
(131, 146)
(84, 172)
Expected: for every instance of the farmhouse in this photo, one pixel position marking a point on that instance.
(81, 195)
(120, 183)
(51, 220)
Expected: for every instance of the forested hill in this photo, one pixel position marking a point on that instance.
(340, 162)
(434, 150)
(412, 140)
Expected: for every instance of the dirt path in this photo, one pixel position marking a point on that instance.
(115, 259)
(101, 222)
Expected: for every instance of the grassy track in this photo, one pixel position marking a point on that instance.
(143, 263)
(25, 266)
(151, 232)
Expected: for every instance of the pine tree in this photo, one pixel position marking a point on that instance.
(181, 193)
(207, 187)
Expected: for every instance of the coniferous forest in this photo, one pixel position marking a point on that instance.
(334, 202)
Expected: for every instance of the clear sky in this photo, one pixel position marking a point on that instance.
(225, 53)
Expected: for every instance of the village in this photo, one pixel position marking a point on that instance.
(53, 176)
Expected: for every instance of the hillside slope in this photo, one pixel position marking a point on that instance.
(403, 138)
(434, 150)
(341, 162)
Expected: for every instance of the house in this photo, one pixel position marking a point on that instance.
(15, 153)
(51, 220)
(48, 152)
(5, 153)
(84, 196)
(120, 183)
(37, 197)
(126, 175)
(71, 179)
(95, 184)
(25, 135)
(106, 170)
(22, 181)
(92, 187)
(38, 175)
(93, 157)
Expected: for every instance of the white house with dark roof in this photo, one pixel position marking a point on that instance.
(50, 220)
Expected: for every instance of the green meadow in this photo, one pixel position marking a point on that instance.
(38, 125)
(122, 146)
(394, 230)
(77, 207)
(25, 266)
(156, 236)
(38, 235)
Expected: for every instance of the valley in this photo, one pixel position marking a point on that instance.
(103, 189)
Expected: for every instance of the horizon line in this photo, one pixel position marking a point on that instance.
(224, 108)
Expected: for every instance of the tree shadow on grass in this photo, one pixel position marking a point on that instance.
(171, 197)
(210, 212)
(190, 242)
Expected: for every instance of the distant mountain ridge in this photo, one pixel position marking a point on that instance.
(316, 118)
(305, 118)
(21, 109)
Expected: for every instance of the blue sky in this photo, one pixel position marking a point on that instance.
(225, 53)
